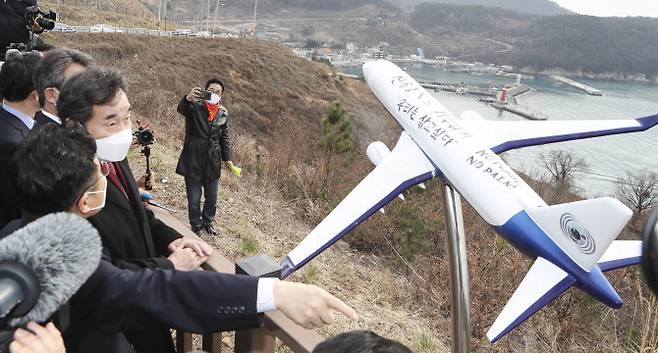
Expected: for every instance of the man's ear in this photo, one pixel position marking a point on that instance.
(81, 208)
(52, 95)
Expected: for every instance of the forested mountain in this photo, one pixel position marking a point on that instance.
(441, 19)
(575, 43)
(628, 45)
(534, 7)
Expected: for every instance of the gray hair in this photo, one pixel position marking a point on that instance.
(96, 86)
(50, 72)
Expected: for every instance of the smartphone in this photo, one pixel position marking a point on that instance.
(205, 95)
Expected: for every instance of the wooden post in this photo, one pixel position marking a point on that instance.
(259, 340)
(212, 343)
(183, 341)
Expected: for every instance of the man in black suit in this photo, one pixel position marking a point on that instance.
(114, 300)
(57, 66)
(19, 106)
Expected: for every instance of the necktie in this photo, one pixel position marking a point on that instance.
(112, 175)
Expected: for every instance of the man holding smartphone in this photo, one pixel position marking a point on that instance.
(206, 146)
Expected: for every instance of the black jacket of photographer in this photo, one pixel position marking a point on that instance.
(12, 23)
(206, 143)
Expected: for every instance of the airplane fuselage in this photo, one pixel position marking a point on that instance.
(490, 186)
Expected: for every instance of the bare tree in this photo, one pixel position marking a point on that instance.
(639, 190)
(562, 165)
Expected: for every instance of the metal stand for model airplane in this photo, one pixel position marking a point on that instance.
(459, 308)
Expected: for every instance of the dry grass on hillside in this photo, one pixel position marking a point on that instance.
(276, 101)
(117, 13)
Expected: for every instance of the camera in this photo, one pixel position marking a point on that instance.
(20, 22)
(205, 95)
(144, 136)
(38, 21)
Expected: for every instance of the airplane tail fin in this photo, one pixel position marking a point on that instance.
(584, 229)
(543, 283)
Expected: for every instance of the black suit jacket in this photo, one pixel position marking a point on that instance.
(114, 300)
(40, 119)
(131, 234)
(12, 132)
(135, 240)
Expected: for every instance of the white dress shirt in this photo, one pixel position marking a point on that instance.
(53, 117)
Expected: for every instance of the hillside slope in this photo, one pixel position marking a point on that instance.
(130, 13)
(393, 268)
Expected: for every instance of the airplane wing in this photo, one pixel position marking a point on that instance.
(621, 253)
(503, 136)
(404, 167)
(543, 283)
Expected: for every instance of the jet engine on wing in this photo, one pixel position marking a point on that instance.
(377, 151)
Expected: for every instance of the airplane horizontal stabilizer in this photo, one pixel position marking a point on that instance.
(503, 136)
(583, 229)
(543, 283)
(621, 253)
(399, 170)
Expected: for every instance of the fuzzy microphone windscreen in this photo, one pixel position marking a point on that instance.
(63, 250)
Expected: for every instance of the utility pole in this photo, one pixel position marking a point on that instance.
(255, 7)
(217, 10)
(159, 12)
(207, 14)
(173, 9)
(165, 14)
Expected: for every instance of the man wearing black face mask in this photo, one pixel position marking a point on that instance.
(206, 146)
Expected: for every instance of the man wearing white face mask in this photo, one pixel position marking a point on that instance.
(132, 236)
(53, 187)
(206, 145)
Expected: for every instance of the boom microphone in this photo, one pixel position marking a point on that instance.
(43, 264)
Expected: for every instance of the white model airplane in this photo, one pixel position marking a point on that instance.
(572, 243)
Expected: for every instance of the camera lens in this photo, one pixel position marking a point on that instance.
(45, 23)
(145, 137)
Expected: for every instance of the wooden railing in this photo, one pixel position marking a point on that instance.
(262, 340)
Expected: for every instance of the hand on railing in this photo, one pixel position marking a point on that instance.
(199, 246)
(186, 259)
(307, 305)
